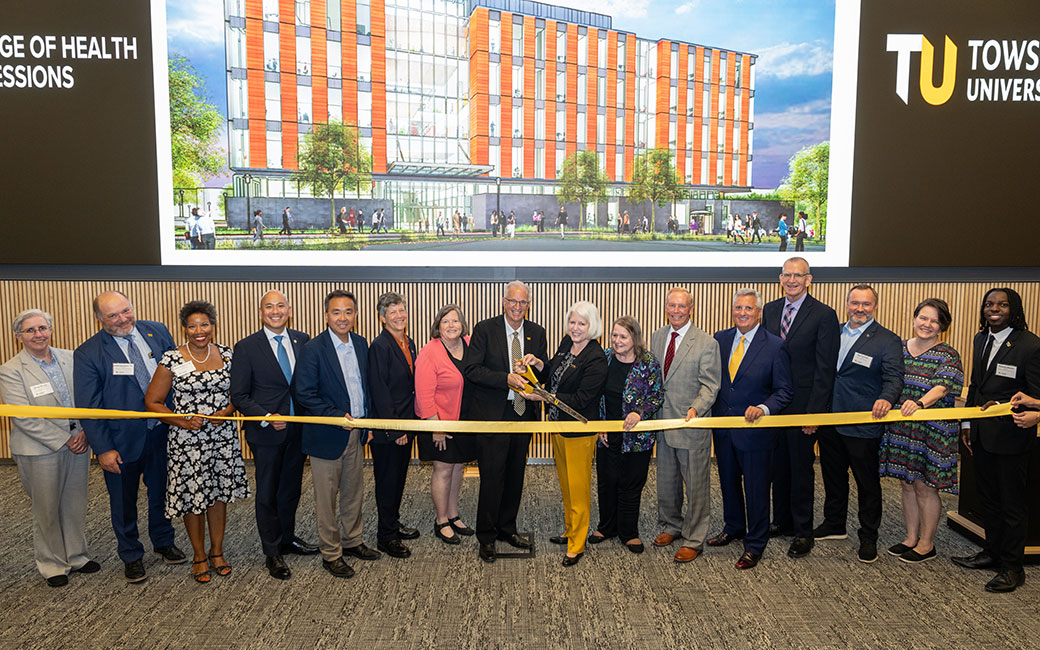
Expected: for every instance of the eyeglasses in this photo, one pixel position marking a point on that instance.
(42, 329)
(518, 303)
(796, 276)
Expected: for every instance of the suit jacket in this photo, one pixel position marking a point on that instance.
(1020, 351)
(581, 385)
(392, 382)
(98, 388)
(258, 386)
(693, 381)
(812, 347)
(36, 436)
(857, 387)
(319, 389)
(488, 362)
(764, 377)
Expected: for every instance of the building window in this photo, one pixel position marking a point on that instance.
(364, 18)
(271, 10)
(303, 55)
(722, 69)
(561, 46)
(539, 42)
(583, 91)
(494, 118)
(272, 101)
(561, 86)
(621, 53)
(583, 49)
(707, 68)
(518, 122)
(601, 91)
(601, 51)
(539, 83)
(236, 47)
(671, 134)
(539, 163)
(539, 123)
(518, 40)
(332, 15)
(736, 72)
(689, 101)
(364, 62)
(494, 35)
(303, 12)
(335, 104)
(238, 98)
(364, 109)
(619, 164)
(518, 161)
(674, 64)
(271, 56)
(620, 92)
(673, 98)
(494, 78)
(561, 124)
(518, 81)
(601, 129)
(335, 60)
(303, 104)
(689, 169)
(239, 147)
(620, 131)
(274, 149)
(582, 133)
(691, 65)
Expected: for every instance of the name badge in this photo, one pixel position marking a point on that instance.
(182, 369)
(862, 360)
(1004, 370)
(123, 369)
(39, 390)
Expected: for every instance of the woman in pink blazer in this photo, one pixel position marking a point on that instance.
(438, 396)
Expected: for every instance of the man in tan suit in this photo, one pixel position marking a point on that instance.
(692, 373)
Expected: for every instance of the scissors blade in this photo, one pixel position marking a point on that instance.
(552, 399)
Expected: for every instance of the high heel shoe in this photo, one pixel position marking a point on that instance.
(444, 538)
(461, 530)
(571, 561)
(223, 569)
(201, 577)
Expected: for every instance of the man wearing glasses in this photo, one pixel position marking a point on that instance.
(493, 393)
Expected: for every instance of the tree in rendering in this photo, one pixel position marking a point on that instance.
(807, 181)
(582, 180)
(331, 158)
(194, 127)
(654, 179)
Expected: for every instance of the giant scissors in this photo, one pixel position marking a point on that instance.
(531, 386)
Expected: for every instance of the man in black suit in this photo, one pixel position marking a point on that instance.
(261, 379)
(496, 395)
(809, 330)
(869, 378)
(1005, 367)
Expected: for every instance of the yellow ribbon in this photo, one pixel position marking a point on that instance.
(469, 426)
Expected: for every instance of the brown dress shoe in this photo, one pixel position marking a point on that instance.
(686, 554)
(748, 560)
(664, 539)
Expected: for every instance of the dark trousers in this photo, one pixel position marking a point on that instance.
(793, 482)
(783, 242)
(744, 477)
(502, 458)
(1001, 482)
(839, 454)
(279, 474)
(122, 497)
(390, 468)
(799, 242)
(620, 481)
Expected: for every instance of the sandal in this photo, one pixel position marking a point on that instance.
(203, 576)
(222, 570)
(461, 530)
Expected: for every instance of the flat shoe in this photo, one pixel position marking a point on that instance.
(898, 549)
(454, 539)
(461, 530)
(597, 539)
(559, 539)
(913, 557)
(571, 561)
(636, 548)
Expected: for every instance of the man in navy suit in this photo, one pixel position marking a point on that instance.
(261, 376)
(869, 378)
(331, 380)
(809, 330)
(756, 381)
(112, 370)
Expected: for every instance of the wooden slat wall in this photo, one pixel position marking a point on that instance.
(69, 303)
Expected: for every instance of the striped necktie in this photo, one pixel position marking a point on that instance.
(519, 403)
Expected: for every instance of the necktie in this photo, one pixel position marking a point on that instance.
(670, 353)
(140, 370)
(734, 360)
(283, 363)
(987, 350)
(519, 403)
(785, 324)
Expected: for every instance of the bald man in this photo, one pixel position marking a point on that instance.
(261, 381)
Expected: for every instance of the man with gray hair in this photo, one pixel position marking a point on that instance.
(51, 454)
(756, 381)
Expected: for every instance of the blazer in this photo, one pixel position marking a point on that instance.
(258, 386)
(36, 436)
(392, 382)
(812, 346)
(319, 389)
(439, 384)
(98, 388)
(643, 393)
(857, 387)
(1021, 351)
(581, 385)
(488, 362)
(692, 382)
(764, 377)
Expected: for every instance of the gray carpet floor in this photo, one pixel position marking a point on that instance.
(443, 597)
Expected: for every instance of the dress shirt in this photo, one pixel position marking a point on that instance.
(748, 337)
(682, 334)
(348, 364)
(849, 336)
(205, 224)
(797, 304)
(998, 340)
(509, 348)
(57, 377)
(150, 362)
(286, 343)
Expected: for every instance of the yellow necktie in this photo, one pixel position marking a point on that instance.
(734, 360)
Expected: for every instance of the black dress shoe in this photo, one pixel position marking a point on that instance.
(437, 528)
(338, 568)
(1006, 581)
(394, 548)
(636, 548)
(487, 553)
(981, 560)
(134, 571)
(800, 547)
(558, 539)
(723, 539)
(171, 554)
(776, 531)
(90, 567)
(277, 568)
(461, 530)
(571, 561)
(404, 532)
(362, 552)
(298, 547)
(748, 560)
(516, 541)
(58, 581)
(597, 539)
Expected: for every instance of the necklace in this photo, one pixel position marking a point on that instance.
(209, 349)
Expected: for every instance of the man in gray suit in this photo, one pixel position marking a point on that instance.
(692, 373)
(52, 455)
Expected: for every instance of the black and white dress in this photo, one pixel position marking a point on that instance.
(204, 466)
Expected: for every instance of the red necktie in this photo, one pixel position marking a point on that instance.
(670, 353)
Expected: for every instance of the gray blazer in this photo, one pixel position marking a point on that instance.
(36, 436)
(693, 381)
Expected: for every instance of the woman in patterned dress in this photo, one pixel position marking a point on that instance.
(205, 468)
(923, 455)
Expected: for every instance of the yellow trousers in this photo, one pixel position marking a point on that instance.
(574, 468)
